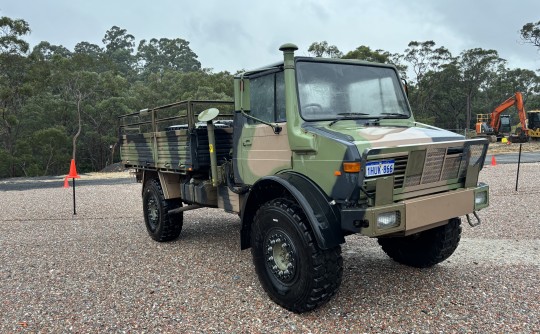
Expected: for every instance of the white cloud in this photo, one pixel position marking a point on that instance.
(245, 34)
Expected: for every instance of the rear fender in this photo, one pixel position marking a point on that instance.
(323, 218)
(147, 175)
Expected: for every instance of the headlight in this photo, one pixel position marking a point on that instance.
(480, 198)
(388, 219)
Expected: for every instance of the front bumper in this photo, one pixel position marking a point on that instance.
(416, 214)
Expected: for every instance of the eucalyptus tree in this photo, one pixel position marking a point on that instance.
(90, 49)
(92, 57)
(49, 148)
(364, 52)
(447, 107)
(162, 88)
(75, 87)
(160, 55)
(477, 67)
(119, 48)
(11, 31)
(508, 81)
(100, 115)
(323, 49)
(13, 88)
(530, 33)
(46, 51)
(425, 58)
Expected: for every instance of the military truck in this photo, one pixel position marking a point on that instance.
(310, 150)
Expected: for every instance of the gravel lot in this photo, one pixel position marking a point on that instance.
(98, 271)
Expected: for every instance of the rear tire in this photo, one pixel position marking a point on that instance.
(424, 249)
(161, 225)
(292, 269)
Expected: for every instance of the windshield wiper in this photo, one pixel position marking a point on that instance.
(359, 115)
(392, 115)
(349, 115)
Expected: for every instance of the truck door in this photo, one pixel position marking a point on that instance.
(259, 150)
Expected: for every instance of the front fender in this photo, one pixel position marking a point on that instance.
(323, 218)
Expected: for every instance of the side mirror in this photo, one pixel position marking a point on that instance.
(208, 115)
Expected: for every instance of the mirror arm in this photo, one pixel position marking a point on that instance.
(277, 129)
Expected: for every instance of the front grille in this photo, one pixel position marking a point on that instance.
(434, 164)
(441, 164)
(400, 165)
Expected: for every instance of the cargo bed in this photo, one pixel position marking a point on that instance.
(170, 138)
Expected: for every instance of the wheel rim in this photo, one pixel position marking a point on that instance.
(280, 255)
(152, 213)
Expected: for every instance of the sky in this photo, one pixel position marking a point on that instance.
(246, 34)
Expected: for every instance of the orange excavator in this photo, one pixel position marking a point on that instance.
(495, 126)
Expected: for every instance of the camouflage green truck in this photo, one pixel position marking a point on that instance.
(310, 151)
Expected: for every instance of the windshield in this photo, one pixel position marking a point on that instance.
(329, 91)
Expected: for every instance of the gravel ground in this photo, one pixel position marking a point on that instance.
(98, 271)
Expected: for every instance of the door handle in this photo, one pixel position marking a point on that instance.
(246, 142)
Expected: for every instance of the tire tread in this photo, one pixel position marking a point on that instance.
(327, 264)
(432, 247)
(171, 225)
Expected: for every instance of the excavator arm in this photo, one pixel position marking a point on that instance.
(521, 113)
(495, 116)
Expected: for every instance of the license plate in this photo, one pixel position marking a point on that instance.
(377, 168)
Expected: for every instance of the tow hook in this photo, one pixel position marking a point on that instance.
(470, 221)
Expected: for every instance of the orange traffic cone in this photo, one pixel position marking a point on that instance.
(72, 174)
(73, 171)
(493, 161)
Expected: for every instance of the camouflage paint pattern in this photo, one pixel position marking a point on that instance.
(178, 148)
(428, 160)
(261, 152)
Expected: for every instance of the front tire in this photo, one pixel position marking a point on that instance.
(292, 269)
(424, 249)
(161, 225)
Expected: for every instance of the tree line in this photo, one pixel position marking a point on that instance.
(57, 104)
